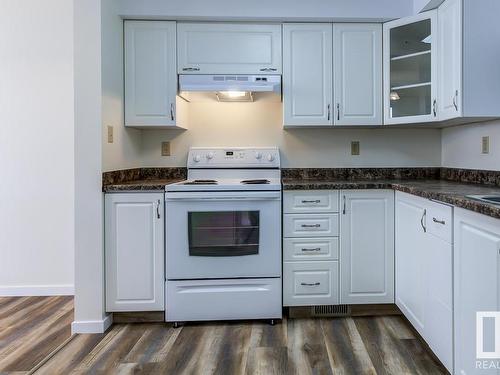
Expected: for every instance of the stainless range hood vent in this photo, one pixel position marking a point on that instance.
(230, 88)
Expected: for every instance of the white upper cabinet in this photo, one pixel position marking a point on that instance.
(150, 74)
(367, 247)
(469, 78)
(228, 48)
(450, 59)
(476, 287)
(410, 66)
(307, 75)
(134, 252)
(358, 74)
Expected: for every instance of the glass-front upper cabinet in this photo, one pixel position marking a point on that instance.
(410, 66)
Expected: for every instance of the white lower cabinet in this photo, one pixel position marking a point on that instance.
(134, 252)
(310, 283)
(476, 288)
(424, 264)
(367, 246)
(311, 248)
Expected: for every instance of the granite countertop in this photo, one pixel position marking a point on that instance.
(141, 185)
(450, 192)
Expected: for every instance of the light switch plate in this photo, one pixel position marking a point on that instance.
(110, 134)
(485, 145)
(165, 149)
(355, 148)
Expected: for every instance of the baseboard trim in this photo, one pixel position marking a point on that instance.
(37, 290)
(92, 326)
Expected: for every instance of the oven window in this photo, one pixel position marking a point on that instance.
(223, 234)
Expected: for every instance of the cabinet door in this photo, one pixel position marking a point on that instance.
(229, 48)
(358, 74)
(450, 59)
(367, 247)
(307, 75)
(438, 332)
(150, 74)
(411, 244)
(410, 69)
(134, 252)
(476, 285)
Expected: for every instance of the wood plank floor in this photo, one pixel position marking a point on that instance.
(360, 345)
(30, 329)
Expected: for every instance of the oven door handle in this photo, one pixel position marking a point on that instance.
(185, 199)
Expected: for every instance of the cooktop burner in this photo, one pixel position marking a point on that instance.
(255, 182)
(201, 182)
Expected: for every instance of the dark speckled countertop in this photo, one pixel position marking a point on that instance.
(141, 185)
(450, 192)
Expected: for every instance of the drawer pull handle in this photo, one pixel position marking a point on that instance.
(442, 222)
(316, 249)
(310, 284)
(268, 69)
(191, 69)
(315, 201)
(311, 225)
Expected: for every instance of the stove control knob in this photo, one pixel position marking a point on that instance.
(258, 155)
(197, 158)
(210, 155)
(270, 157)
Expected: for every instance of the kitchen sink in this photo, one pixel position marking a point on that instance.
(493, 199)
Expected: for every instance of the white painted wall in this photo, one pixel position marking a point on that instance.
(318, 10)
(461, 146)
(89, 248)
(125, 151)
(36, 147)
(260, 124)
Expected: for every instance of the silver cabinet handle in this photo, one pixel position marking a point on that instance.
(422, 221)
(455, 100)
(338, 111)
(442, 222)
(434, 107)
(191, 69)
(310, 284)
(268, 69)
(315, 201)
(308, 250)
(343, 209)
(172, 111)
(158, 209)
(311, 225)
(328, 111)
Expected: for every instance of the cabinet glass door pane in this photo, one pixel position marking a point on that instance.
(411, 69)
(217, 234)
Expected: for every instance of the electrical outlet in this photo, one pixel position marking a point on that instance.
(485, 145)
(165, 149)
(355, 148)
(110, 134)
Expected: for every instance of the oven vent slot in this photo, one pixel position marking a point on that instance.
(330, 311)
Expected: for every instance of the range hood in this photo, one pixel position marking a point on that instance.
(229, 88)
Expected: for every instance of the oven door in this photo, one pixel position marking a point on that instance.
(213, 235)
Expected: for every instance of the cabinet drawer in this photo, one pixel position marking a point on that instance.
(310, 201)
(310, 283)
(439, 221)
(311, 225)
(299, 249)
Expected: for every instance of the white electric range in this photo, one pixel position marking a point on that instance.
(223, 236)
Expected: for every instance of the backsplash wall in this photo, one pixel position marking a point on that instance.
(461, 146)
(260, 124)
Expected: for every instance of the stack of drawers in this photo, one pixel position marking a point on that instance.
(311, 248)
